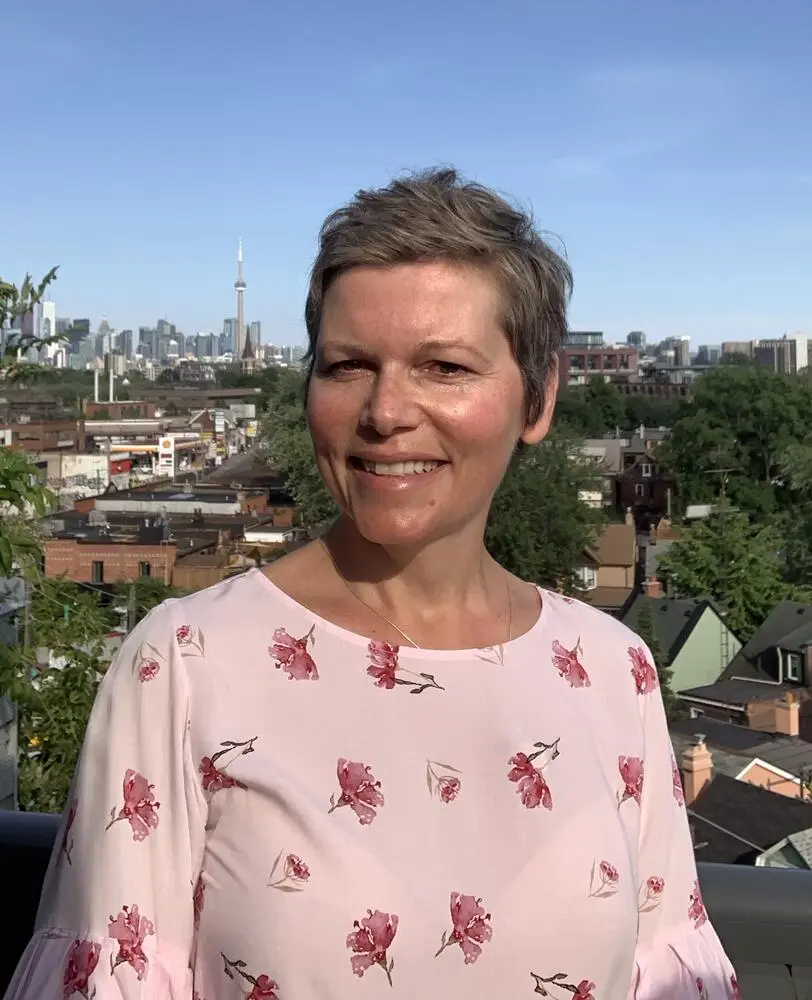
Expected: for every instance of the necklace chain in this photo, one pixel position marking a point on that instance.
(389, 621)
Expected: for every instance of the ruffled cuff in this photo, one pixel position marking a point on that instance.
(687, 964)
(61, 965)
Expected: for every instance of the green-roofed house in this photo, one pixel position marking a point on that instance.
(691, 634)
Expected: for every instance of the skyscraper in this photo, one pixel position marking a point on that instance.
(239, 287)
(256, 335)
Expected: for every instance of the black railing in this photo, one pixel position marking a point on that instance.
(762, 915)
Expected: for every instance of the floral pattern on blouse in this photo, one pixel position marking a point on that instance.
(293, 655)
(443, 781)
(130, 929)
(370, 940)
(215, 778)
(616, 865)
(140, 807)
(81, 963)
(292, 876)
(532, 787)
(569, 666)
(386, 670)
(470, 927)
(557, 986)
(360, 790)
(262, 986)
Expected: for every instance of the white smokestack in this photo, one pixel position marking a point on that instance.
(96, 385)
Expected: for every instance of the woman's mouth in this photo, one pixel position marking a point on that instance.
(407, 468)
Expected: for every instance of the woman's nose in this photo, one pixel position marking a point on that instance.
(391, 405)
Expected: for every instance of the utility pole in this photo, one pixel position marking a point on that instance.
(131, 608)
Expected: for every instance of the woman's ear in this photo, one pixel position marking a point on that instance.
(540, 428)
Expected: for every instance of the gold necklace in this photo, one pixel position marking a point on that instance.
(389, 621)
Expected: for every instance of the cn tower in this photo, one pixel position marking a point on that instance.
(239, 287)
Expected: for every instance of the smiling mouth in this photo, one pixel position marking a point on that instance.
(417, 468)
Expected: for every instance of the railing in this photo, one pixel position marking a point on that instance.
(763, 915)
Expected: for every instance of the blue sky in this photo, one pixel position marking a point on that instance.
(667, 145)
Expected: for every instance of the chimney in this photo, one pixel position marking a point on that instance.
(697, 768)
(653, 588)
(788, 715)
(629, 517)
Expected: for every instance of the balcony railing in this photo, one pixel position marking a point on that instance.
(763, 915)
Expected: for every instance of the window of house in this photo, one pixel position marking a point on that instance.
(144, 569)
(97, 571)
(587, 577)
(639, 489)
(793, 667)
(646, 469)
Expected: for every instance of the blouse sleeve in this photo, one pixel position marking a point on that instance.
(116, 919)
(678, 956)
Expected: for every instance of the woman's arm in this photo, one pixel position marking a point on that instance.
(116, 918)
(679, 956)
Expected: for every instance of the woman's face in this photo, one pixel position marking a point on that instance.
(416, 401)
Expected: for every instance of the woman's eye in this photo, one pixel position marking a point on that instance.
(342, 367)
(447, 368)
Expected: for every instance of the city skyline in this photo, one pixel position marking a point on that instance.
(662, 147)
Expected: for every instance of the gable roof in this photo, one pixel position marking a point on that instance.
(734, 821)
(673, 619)
(736, 692)
(788, 621)
(727, 742)
(615, 546)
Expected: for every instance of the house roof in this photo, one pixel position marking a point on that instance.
(607, 451)
(734, 821)
(802, 842)
(789, 625)
(616, 546)
(607, 598)
(789, 753)
(738, 692)
(724, 762)
(673, 619)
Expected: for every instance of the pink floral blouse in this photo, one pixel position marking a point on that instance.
(269, 807)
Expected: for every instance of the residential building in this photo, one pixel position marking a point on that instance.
(644, 485)
(692, 635)
(615, 364)
(607, 573)
(767, 684)
(733, 821)
(47, 435)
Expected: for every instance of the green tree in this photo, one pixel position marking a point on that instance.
(142, 595)
(647, 631)
(793, 523)
(67, 623)
(733, 560)
(286, 442)
(21, 495)
(539, 525)
(743, 418)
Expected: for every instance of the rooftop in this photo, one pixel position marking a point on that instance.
(790, 753)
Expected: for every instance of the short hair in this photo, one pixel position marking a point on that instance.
(437, 215)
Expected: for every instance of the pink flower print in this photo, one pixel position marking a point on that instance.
(146, 662)
(190, 640)
(676, 779)
(262, 987)
(369, 941)
(701, 989)
(140, 807)
(80, 965)
(385, 668)
(383, 663)
(360, 790)
(67, 839)
(292, 655)
(734, 987)
(631, 772)
(574, 991)
(569, 666)
(130, 929)
(643, 670)
(295, 873)
(215, 778)
(696, 909)
(604, 880)
(446, 786)
(532, 787)
(651, 893)
(198, 899)
(470, 927)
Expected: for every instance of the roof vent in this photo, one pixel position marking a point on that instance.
(699, 739)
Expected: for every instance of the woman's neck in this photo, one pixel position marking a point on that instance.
(447, 575)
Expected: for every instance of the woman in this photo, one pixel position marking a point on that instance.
(385, 766)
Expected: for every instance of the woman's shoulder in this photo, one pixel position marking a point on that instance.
(599, 630)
